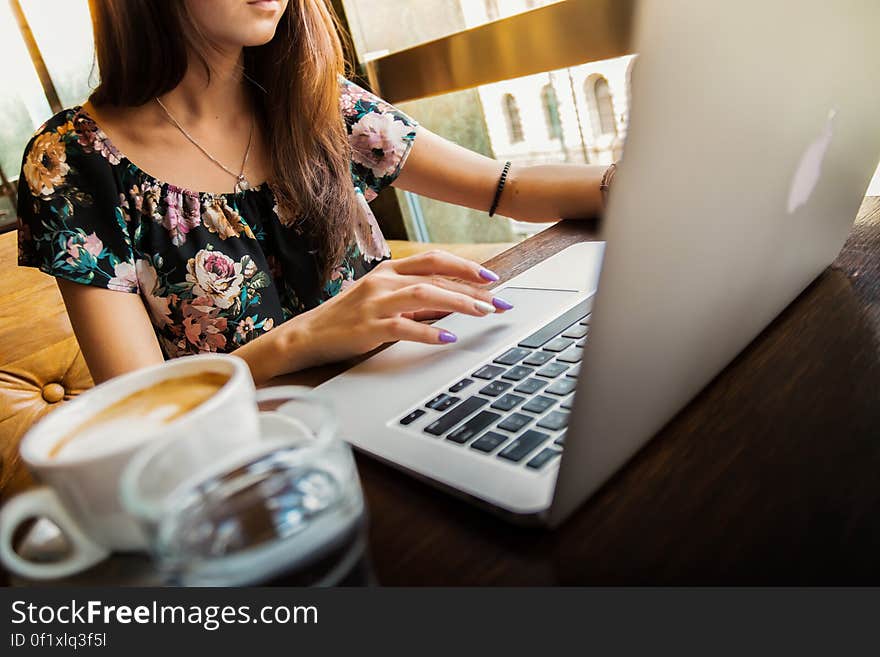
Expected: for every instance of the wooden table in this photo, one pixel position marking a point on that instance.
(770, 476)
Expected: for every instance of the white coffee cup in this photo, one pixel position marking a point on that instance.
(80, 491)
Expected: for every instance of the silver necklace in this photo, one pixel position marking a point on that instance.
(241, 183)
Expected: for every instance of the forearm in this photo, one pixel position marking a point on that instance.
(280, 351)
(444, 171)
(552, 191)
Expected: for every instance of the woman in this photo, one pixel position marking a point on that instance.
(277, 256)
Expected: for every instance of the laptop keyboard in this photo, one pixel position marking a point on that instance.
(516, 407)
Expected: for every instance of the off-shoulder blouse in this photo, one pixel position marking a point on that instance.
(213, 270)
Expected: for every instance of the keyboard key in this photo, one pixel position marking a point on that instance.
(567, 403)
(539, 404)
(530, 386)
(412, 417)
(549, 331)
(576, 332)
(446, 422)
(488, 441)
(560, 440)
(586, 320)
(461, 385)
(517, 373)
(488, 372)
(558, 344)
(442, 402)
(574, 371)
(562, 386)
(506, 402)
(495, 388)
(519, 448)
(514, 422)
(472, 427)
(513, 356)
(538, 358)
(582, 343)
(571, 355)
(552, 370)
(542, 458)
(554, 421)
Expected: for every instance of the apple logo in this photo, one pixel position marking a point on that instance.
(810, 167)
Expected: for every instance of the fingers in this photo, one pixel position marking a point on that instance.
(441, 263)
(460, 287)
(401, 328)
(424, 296)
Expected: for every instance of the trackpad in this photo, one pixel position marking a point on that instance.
(478, 338)
(530, 306)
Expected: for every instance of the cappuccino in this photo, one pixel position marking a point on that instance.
(78, 453)
(142, 412)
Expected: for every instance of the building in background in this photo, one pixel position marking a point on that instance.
(576, 115)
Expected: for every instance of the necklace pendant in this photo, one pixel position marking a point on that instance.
(241, 184)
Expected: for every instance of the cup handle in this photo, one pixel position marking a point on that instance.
(44, 502)
(291, 392)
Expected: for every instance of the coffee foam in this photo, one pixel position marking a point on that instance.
(146, 411)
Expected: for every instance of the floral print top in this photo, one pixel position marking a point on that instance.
(213, 270)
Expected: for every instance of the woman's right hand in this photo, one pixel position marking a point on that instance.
(386, 305)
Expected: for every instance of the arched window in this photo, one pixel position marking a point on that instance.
(601, 105)
(550, 103)
(514, 121)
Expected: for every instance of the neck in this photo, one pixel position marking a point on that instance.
(203, 96)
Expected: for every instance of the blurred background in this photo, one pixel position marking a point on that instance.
(532, 81)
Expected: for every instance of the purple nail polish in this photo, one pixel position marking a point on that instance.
(488, 274)
(446, 336)
(501, 304)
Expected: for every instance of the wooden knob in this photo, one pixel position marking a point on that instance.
(53, 393)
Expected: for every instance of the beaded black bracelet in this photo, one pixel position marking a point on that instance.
(501, 181)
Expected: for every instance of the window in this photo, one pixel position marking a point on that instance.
(529, 127)
(514, 121)
(550, 103)
(23, 107)
(67, 48)
(601, 106)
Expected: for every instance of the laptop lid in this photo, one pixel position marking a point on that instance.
(753, 135)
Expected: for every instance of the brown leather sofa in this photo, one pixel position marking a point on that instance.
(40, 361)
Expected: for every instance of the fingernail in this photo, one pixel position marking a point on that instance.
(488, 275)
(501, 304)
(446, 336)
(484, 307)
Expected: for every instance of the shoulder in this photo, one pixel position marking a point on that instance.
(380, 137)
(357, 103)
(67, 147)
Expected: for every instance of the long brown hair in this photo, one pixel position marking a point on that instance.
(142, 48)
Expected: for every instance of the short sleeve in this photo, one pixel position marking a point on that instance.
(380, 135)
(70, 223)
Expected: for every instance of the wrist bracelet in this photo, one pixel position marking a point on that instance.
(605, 183)
(499, 189)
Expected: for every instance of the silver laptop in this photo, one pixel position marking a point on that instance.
(753, 135)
